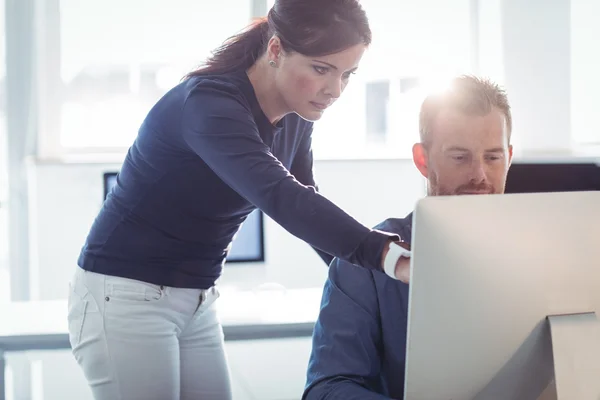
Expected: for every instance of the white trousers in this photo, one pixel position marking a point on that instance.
(136, 340)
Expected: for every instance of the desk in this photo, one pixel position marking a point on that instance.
(245, 315)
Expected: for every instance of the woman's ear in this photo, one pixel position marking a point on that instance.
(274, 49)
(420, 159)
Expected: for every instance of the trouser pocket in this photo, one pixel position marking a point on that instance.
(78, 304)
(131, 290)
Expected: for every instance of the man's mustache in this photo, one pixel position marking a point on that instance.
(482, 187)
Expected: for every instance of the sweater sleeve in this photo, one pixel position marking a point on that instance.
(221, 130)
(302, 169)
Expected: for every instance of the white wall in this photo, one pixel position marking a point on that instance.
(585, 64)
(536, 55)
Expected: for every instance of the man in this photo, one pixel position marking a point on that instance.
(360, 336)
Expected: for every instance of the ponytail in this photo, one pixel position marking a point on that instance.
(238, 53)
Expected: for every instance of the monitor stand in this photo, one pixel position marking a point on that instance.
(576, 352)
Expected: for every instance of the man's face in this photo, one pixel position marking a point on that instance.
(466, 154)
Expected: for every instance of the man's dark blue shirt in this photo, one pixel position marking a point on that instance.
(359, 341)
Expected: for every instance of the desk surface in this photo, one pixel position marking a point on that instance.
(245, 315)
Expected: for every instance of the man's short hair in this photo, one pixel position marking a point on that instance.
(467, 94)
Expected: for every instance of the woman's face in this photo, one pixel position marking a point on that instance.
(308, 85)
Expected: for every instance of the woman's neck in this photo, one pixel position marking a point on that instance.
(262, 78)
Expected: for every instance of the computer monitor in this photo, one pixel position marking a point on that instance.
(248, 245)
(540, 177)
(505, 297)
(110, 181)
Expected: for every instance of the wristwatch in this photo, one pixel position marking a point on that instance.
(391, 258)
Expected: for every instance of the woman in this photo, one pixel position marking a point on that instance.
(234, 135)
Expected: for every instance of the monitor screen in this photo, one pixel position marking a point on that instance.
(248, 245)
(530, 177)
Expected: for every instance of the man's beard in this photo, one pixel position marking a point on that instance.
(434, 188)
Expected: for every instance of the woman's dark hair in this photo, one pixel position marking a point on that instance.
(312, 28)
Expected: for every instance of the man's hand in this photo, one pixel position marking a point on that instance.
(403, 265)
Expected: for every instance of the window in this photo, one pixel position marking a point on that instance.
(416, 45)
(112, 67)
(104, 70)
(585, 80)
(117, 58)
(4, 278)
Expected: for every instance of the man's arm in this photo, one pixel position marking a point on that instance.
(345, 359)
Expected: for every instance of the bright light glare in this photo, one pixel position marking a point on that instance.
(433, 85)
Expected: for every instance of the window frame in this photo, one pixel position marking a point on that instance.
(48, 105)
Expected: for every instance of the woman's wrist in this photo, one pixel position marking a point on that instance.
(392, 253)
